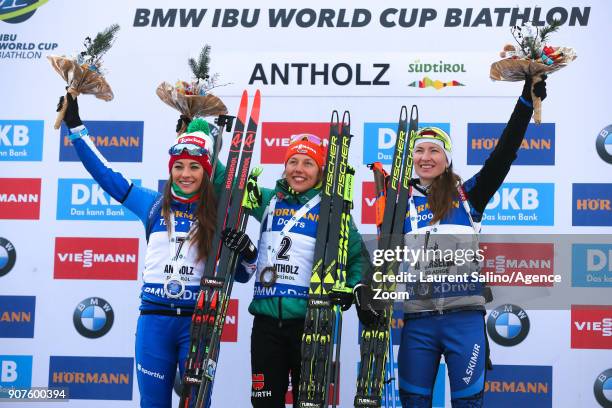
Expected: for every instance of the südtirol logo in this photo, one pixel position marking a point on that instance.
(603, 144)
(18, 11)
(436, 75)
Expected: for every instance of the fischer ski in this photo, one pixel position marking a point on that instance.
(323, 323)
(375, 341)
(216, 284)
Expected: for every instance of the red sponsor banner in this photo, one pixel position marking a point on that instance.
(368, 203)
(330, 393)
(277, 135)
(96, 258)
(19, 199)
(591, 327)
(516, 260)
(230, 329)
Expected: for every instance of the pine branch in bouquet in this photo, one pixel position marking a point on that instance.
(95, 49)
(201, 66)
(544, 32)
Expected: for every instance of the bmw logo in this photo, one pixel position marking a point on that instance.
(603, 144)
(603, 388)
(93, 317)
(508, 325)
(8, 255)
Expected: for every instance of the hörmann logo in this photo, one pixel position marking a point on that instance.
(84, 199)
(18, 11)
(21, 140)
(521, 204)
(96, 378)
(591, 327)
(379, 140)
(510, 386)
(592, 204)
(96, 258)
(537, 148)
(19, 199)
(276, 137)
(17, 316)
(118, 141)
(529, 259)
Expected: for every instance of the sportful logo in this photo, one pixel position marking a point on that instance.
(592, 265)
(19, 199)
(118, 141)
(521, 204)
(510, 258)
(17, 316)
(276, 137)
(17, 11)
(510, 386)
(537, 148)
(591, 327)
(21, 140)
(592, 204)
(379, 140)
(96, 258)
(84, 199)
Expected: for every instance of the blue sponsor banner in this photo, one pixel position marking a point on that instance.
(510, 386)
(98, 378)
(592, 265)
(84, 199)
(160, 185)
(379, 140)
(521, 204)
(21, 140)
(15, 372)
(592, 204)
(538, 147)
(17, 316)
(118, 141)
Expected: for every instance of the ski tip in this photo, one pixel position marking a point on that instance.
(404, 113)
(257, 94)
(346, 118)
(335, 116)
(245, 94)
(414, 113)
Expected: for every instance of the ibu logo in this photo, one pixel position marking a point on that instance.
(379, 140)
(18, 11)
(15, 372)
(84, 199)
(21, 140)
(521, 204)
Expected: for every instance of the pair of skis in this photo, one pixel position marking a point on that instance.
(323, 324)
(216, 284)
(375, 344)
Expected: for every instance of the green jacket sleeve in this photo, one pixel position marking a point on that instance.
(219, 178)
(358, 257)
(266, 196)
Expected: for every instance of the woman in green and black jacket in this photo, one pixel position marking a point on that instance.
(289, 216)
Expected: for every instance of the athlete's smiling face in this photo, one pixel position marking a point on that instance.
(302, 172)
(188, 175)
(429, 162)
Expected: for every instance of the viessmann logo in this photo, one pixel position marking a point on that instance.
(19, 199)
(537, 148)
(276, 137)
(591, 327)
(96, 258)
(510, 258)
(230, 330)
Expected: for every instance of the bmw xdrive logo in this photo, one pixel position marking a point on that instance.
(603, 144)
(508, 325)
(93, 317)
(603, 388)
(7, 256)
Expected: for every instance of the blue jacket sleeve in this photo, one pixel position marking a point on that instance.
(135, 198)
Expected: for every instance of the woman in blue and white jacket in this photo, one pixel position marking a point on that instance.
(175, 256)
(448, 320)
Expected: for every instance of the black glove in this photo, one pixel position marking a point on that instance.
(240, 242)
(342, 299)
(71, 117)
(182, 122)
(368, 316)
(539, 89)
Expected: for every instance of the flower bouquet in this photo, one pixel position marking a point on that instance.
(533, 58)
(82, 73)
(194, 98)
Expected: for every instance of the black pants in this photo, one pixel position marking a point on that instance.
(275, 352)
